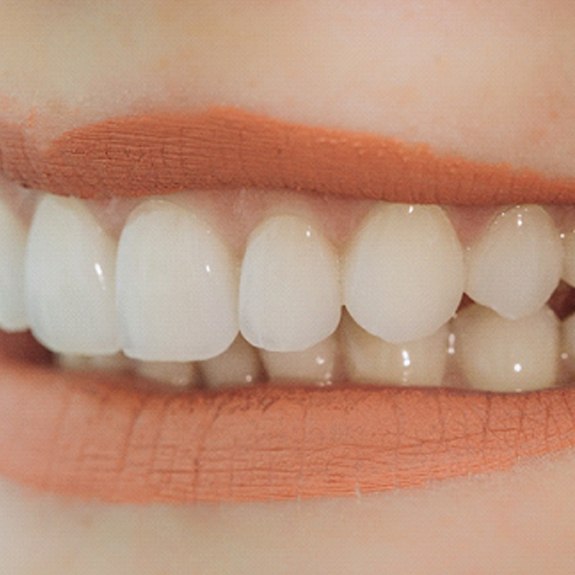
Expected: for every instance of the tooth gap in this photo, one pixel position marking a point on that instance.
(562, 301)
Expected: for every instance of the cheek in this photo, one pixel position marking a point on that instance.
(493, 83)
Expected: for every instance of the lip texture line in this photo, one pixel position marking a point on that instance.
(225, 148)
(93, 438)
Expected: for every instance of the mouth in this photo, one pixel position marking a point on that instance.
(248, 342)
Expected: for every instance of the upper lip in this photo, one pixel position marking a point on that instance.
(96, 438)
(220, 148)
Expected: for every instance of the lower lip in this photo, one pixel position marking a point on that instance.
(108, 439)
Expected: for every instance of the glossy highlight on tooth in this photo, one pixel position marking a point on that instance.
(230, 148)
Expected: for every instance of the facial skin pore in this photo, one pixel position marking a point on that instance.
(492, 82)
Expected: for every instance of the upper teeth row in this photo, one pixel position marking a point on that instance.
(170, 289)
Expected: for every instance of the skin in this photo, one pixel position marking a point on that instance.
(492, 81)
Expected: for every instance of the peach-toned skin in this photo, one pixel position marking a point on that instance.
(489, 83)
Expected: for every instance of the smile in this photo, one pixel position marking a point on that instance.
(254, 344)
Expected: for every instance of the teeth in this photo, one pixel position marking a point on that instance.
(370, 359)
(70, 279)
(315, 365)
(238, 365)
(569, 259)
(403, 276)
(13, 235)
(498, 354)
(178, 374)
(171, 295)
(289, 288)
(568, 333)
(102, 363)
(517, 264)
(177, 286)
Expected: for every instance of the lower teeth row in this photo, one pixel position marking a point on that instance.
(478, 349)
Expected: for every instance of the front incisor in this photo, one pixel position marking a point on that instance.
(403, 274)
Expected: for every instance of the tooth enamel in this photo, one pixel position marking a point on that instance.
(176, 286)
(403, 275)
(569, 258)
(13, 235)
(498, 354)
(369, 359)
(517, 263)
(568, 340)
(289, 287)
(70, 279)
(314, 365)
(178, 374)
(238, 365)
(116, 363)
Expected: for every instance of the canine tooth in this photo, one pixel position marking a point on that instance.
(176, 286)
(238, 365)
(499, 354)
(178, 374)
(315, 364)
(70, 279)
(289, 288)
(13, 235)
(370, 359)
(515, 266)
(403, 275)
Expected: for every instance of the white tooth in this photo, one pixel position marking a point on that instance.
(13, 233)
(403, 275)
(314, 365)
(73, 362)
(498, 354)
(177, 286)
(289, 287)
(569, 257)
(238, 365)
(70, 279)
(568, 345)
(178, 374)
(103, 363)
(370, 359)
(515, 266)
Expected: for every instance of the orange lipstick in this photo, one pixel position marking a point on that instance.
(114, 440)
(227, 148)
(92, 438)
